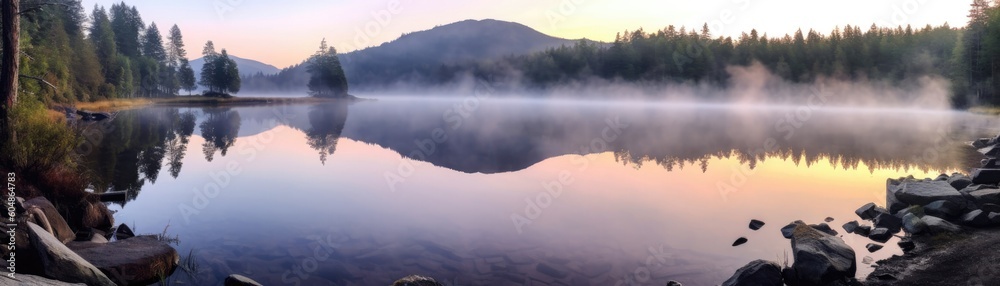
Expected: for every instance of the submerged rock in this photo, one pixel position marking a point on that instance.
(756, 224)
(819, 258)
(829, 219)
(869, 211)
(873, 247)
(890, 222)
(850, 226)
(880, 234)
(757, 272)
(673, 283)
(863, 230)
(240, 280)
(61, 263)
(740, 241)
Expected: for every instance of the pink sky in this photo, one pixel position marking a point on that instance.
(283, 33)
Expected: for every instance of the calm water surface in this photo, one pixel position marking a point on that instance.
(505, 191)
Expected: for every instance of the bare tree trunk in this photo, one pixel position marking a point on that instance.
(10, 37)
(10, 63)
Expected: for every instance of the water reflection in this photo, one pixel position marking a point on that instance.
(654, 185)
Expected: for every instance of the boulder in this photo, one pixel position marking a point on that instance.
(913, 224)
(939, 225)
(990, 151)
(889, 222)
(959, 181)
(829, 219)
(906, 245)
(942, 177)
(990, 208)
(756, 273)
(977, 218)
(869, 211)
(863, 230)
(138, 260)
(123, 232)
(873, 247)
(96, 215)
(673, 283)
(880, 234)
(32, 280)
(756, 224)
(915, 210)
(985, 176)
(740, 241)
(991, 163)
(850, 226)
(787, 230)
(824, 228)
(982, 143)
(926, 192)
(942, 208)
(240, 280)
(44, 214)
(985, 196)
(61, 263)
(819, 258)
(892, 203)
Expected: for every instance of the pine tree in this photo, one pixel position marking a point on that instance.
(327, 77)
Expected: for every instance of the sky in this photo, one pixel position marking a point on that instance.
(283, 33)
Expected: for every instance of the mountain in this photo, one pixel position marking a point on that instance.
(421, 57)
(247, 67)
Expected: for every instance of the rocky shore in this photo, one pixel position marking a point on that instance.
(947, 225)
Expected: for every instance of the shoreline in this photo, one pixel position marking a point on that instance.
(198, 101)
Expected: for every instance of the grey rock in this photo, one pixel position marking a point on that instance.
(892, 187)
(240, 280)
(867, 260)
(939, 225)
(942, 177)
(123, 232)
(942, 208)
(985, 176)
(976, 218)
(824, 228)
(44, 214)
(990, 208)
(850, 226)
(787, 230)
(889, 222)
(869, 211)
(61, 263)
(829, 219)
(873, 247)
(986, 196)
(926, 192)
(913, 224)
(32, 280)
(740, 241)
(915, 210)
(138, 260)
(959, 181)
(820, 258)
(756, 273)
(982, 143)
(906, 245)
(756, 224)
(991, 163)
(673, 283)
(991, 151)
(863, 230)
(880, 234)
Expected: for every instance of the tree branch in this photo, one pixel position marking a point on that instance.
(39, 79)
(42, 5)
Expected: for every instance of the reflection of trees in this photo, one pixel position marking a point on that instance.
(122, 154)
(219, 129)
(327, 122)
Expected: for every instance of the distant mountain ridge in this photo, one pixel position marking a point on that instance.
(414, 57)
(247, 67)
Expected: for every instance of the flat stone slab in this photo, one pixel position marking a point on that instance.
(926, 192)
(137, 260)
(985, 176)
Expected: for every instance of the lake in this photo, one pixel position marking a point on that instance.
(500, 191)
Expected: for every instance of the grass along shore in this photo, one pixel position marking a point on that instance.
(197, 100)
